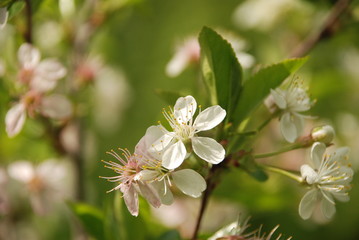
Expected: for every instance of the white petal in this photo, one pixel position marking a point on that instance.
(154, 142)
(46, 75)
(3, 17)
(317, 153)
(131, 198)
(278, 97)
(341, 155)
(22, 171)
(308, 174)
(164, 192)
(51, 69)
(150, 194)
(189, 182)
(174, 155)
(28, 56)
(298, 121)
(307, 204)
(147, 175)
(328, 205)
(208, 149)
(209, 118)
(299, 100)
(184, 109)
(177, 64)
(56, 106)
(52, 170)
(15, 119)
(343, 197)
(288, 128)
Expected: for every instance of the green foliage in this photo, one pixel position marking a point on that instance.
(221, 70)
(16, 8)
(4, 3)
(91, 218)
(256, 88)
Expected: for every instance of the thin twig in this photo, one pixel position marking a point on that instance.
(28, 32)
(325, 31)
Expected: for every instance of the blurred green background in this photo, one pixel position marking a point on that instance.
(136, 40)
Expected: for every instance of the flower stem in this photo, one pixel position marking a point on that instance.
(283, 150)
(283, 172)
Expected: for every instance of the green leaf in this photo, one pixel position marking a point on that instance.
(221, 70)
(16, 8)
(169, 97)
(249, 165)
(258, 87)
(91, 218)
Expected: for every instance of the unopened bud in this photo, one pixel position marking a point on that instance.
(324, 134)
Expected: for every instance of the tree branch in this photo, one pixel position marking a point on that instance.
(325, 31)
(28, 32)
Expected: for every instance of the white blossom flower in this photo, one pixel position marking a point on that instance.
(329, 178)
(291, 102)
(45, 183)
(185, 130)
(3, 17)
(188, 181)
(130, 183)
(54, 106)
(185, 54)
(41, 76)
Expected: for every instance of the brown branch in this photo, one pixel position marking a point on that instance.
(325, 31)
(28, 31)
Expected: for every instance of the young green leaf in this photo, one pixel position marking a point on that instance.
(258, 87)
(221, 70)
(91, 218)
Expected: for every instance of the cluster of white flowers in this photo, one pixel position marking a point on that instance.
(155, 164)
(39, 78)
(45, 184)
(328, 177)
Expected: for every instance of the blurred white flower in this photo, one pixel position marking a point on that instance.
(46, 183)
(185, 54)
(3, 17)
(15, 119)
(130, 183)
(112, 95)
(56, 106)
(329, 178)
(41, 76)
(291, 102)
(189, 52)
(264, 14)
(185, 130)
